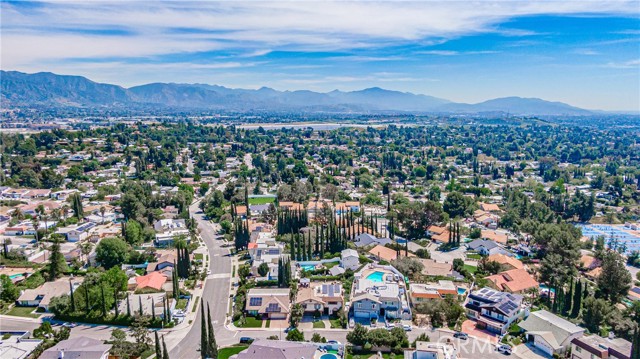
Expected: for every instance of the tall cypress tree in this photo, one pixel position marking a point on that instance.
(577, 300)
(211, 339)
(140, 305)
(204, 339)
(128, 306)
(153, 309)
(86, 300)
(72, 299)
(104, 301)
(566, 309)
(115, 303)
(158, 350)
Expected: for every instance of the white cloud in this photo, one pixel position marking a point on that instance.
(256, 27)
(631, 64)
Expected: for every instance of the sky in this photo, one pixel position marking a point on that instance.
(585, 53)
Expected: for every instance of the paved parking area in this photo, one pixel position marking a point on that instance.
(527, 351)
(469, 327)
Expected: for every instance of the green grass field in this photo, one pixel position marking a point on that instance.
(470, 269)
(225, 353)
(23, 312)
(250, 322)
(262, 200)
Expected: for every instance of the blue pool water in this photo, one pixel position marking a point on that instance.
(328, 356)
(461, 291)
(308, 267)
(376, 277)
(544, 286)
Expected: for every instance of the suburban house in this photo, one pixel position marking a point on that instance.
(41, 296)
(429, 350)
(272, 303)
(513, 281)
(595, 346)
(76, 233)
(485, 247)
(265, 249)
(550, 333)
(380, 291)
(438, 234)
(367, 239)
(349, 259)
(78, 348)
(168, 229)
(151, 281)
(494, 310)
(326, 298)
(506, 261)
(495, 236)
(422, 293)
(280, 349)
(386, 253)
(17, 344)
(15, 230)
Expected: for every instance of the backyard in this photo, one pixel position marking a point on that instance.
(226, 353)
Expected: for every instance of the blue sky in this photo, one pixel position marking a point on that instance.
(585, 53)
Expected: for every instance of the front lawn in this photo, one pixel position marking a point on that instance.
(262, 200)
(226, 353)
(335, 323)
(23, 312)
(318, 325)
(470, 269)
(474, 256)
(249, 322)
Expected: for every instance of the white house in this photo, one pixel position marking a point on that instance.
(550, 333)
(77, 233)
(349, 259)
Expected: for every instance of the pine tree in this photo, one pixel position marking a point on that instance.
(211, 339)
(158, 350)
(204, 339)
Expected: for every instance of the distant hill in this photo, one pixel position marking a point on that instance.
(48, 89)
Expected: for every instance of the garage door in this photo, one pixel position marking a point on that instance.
(542, 345)
(360, 314)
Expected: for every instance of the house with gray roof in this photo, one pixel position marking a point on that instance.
(485, 247)
(550, 333)
(78, 348)
(494, 310)
(278, 349)
(366, 239)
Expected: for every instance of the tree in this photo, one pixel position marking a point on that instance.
(157, 343)
(57, 263)
(594, 313)
(457, 205)
(263, 269)
(317, 338)
(212, 349)
(416, 217)
(577, 299)
(614, 281)
(111, 252)
(562, 256)
(133, 233)
(358, 336)
(295, 335)
(140, 332)
(120, 347)
(9, 292)
(296, 314)
(204, 338)
(410, 267)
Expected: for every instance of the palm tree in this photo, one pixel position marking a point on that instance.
(85, 249)
(65, 211)
(17, 214)
(56, 214)
(36, 224)
(102, 211)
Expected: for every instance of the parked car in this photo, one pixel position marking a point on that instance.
(289, 329)
(406, 327)
(461, 335)
(504, 349)
(334, 342)
(246, 340)
(69, 325)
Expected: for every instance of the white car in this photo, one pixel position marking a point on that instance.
(504, 349)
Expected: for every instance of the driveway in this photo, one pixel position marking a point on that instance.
(527, 351)
(469, 327)
(447, 257)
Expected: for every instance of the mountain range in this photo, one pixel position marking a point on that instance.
(19, 89)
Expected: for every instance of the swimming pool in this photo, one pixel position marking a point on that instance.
(329, 356)
(461, 291)
(308, 267)
(376, 276)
